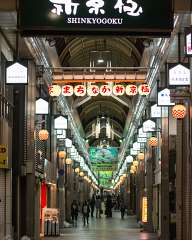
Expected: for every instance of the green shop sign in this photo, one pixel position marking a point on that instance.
(96, 17)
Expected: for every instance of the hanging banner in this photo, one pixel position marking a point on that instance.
(134, 17)
(188, 41)
(3, 156)
(144, 210)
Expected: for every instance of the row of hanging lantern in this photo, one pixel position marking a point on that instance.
(179, 112)
(95, 90)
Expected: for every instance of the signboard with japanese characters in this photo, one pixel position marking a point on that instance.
(135, 17)
(179, 75)
(188, 41)
(103, 90)
(164, 98)
(3, 156)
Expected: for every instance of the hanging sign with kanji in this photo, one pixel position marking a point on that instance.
(136, 17)
(95, 90)
(3, 156)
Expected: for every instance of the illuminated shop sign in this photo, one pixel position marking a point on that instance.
(179, 75)
(144, 210)
(16, 73)
(188, 41)
(95, 90)
(97, 16)
(155, 111)
(164, 98)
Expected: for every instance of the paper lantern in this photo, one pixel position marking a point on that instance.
(131, 90)
(135, 163)
(62, 154)
(54, 90)
(118, 90)
(153, 142)
(133, 168)
(68, 161)
(77, 170)
(144, 89)
(43, 135)
(124, 175)
(141, 156)
(81, 174)
(121, 178)
(179, 111)
(132, 172)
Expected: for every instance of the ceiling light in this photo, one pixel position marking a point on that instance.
(100, 60)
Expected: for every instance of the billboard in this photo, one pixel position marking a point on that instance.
(96, 17)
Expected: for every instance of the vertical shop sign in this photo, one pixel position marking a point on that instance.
(144, 210)
(3, 156)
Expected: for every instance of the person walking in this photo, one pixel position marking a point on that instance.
(74, 212)
(122, 209)
(109, 206)
(98, 207)
(92, 205)
(85, 212)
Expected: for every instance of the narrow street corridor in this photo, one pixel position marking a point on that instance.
(107, 229)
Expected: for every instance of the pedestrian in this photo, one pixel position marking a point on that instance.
(109, 206)
(98, 206)
(85, 212)
(122, 209)
(92, 205)
(74, 212)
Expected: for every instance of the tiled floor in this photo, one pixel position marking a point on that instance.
(107, 229)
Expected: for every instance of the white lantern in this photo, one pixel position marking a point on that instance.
(144, 90)
(67, 90)
(93, 90)
(118, 90)
(54, 90)
(106, 90)
(80, 90)
(131, 90)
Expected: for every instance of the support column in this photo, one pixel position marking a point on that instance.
(149, 186)
(165, 180)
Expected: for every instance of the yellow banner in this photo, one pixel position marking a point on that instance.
(3, 156)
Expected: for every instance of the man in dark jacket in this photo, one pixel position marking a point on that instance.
(85, 212)
(74, 212)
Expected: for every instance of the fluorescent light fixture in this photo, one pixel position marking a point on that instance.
(60, 122)
(100, 60)
(41, 106)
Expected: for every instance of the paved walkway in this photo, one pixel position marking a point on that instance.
(106, 229)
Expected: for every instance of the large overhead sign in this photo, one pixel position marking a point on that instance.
(95, 90)
(103, 159)
(136, 17)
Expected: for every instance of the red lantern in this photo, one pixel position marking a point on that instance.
(43, 135)
(153, 142)
(179, 111)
